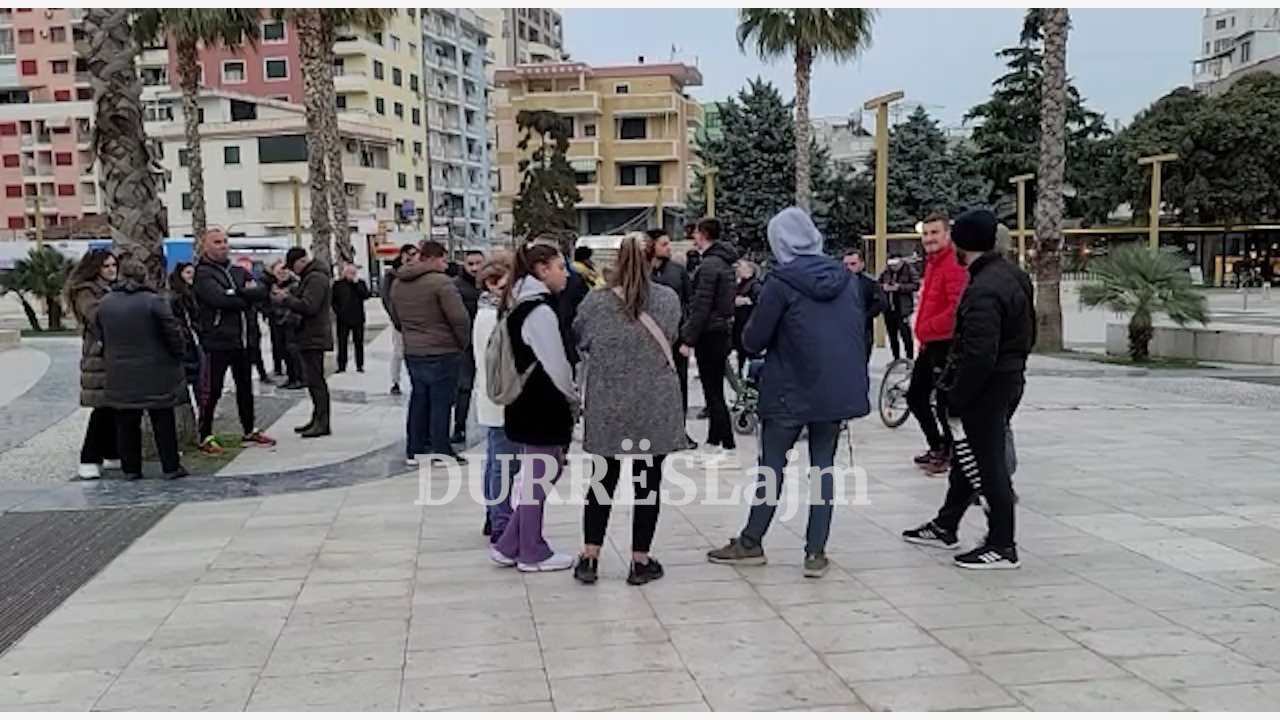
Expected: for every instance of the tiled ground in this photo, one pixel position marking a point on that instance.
(1150, 529)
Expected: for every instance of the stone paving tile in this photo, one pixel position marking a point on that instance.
(1045, 666)
(993, 639)
(1179, 671)
(1128, 643)
(783, 691)
(1262, 697)
(358, 691)
(195, 691)
(933, 694)
(75, 691)
(1121, 695)
(898, 663)
(604, 692)
(756, 648)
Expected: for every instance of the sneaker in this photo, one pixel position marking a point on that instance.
(293, 385)
(88, 471)
(586, 570)
(703, 414)
(458, 439)
(815, 565)
(257, 437)
(445, 461)
(303, 428)
(499, 559)
(411, 461)
(132, 477)
(719, 457)
(110, 464)
(644, 573)
(395, 389)
(735, 553)
(210, 446)
(313, 432)
(690, 442)
(989, 558)
(488, 528)
(557, 561)
(181, 472)
(932, 535)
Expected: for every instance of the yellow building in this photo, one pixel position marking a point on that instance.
(631, 130)
(378, 79)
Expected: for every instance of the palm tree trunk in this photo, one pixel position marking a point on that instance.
(312, 56)
(333, 150)
(1050, 180)
(804, 72)
(189, 79)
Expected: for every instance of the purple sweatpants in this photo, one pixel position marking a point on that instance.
(522, 539)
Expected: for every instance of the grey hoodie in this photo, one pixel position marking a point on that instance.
(541, 332)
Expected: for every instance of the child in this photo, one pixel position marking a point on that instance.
(493, 279)
(541, 419)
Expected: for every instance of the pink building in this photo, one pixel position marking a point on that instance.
(271, 69)
(46, 154)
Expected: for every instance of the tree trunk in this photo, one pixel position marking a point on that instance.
(1050, 179)
(333, 148)
(53, 308)
(189, 79)
(33, 318)
(312, 56)
(130, 192)
(804, 71)
(1140, 334)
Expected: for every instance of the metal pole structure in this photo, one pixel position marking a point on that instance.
(1021, 183)
(657, 210)
(709, 189)
(296, 188)
(881, 105)
(39, 222)
(1153, 224)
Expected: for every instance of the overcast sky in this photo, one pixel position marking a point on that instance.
(943, 59)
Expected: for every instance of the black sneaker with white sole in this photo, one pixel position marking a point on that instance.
(988, 557)
(932, 535)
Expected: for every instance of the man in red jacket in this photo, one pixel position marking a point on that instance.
(944, 281)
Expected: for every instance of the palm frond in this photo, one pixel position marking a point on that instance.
(1136, 280)
(838, 33)
(226, 27)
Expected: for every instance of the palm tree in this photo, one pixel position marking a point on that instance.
(41, 274)
(126, 160)
(1142, 282)
(190, 29)
(805, 34)
(1051, 178)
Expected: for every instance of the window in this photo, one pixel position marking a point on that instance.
(399, 146)
(231, 155)
(273, 32)
(401, 180)
(66, 190)
(397, 77)
(1221, 24)
(235, 199)
(57, 34)
(380, 199)
(1246, 51)
(395, 42)
(632, 128)
(186, 201)
(639, 174)
(13, 191)
(377, 70)
(233, 71)
(418, 183)
(585, 178)
(11, 160)
(398, 108)
(26, 36)
(380, 106)
(413, 50)
(184, 157)
(417, 116)
(417, 148)
(282, 149)
(621, 89)
(413, 82)
(570, 121)
(61, 67)
(340, 101)
(17, 222)
(29, 67)
(276, 68)
(589, 129)
(62, 158)
(61, 95)
(377, 37)
(84, 93)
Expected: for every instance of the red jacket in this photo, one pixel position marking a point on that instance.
(944, 281)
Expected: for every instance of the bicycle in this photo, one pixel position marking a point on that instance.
(893, 392)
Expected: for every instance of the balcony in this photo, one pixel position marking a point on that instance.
(348, 45)
(587, 148)
(44, 202)
(645, 104)
(630, 150)
(573, 102)
(83, 77)
(347, 81)
(37, 170)
(590, 194)
(75, 15)
(693, 111)
(641, 195)
(30, 139)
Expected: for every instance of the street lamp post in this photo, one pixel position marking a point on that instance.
(709, 189)
(1021, 183)
(1153, 225)
(881, 105)
(295, 187)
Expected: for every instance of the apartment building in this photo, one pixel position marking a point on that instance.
(455, 46)
(631, 145)
(1236, 42)
(254, 152)
(46, 149)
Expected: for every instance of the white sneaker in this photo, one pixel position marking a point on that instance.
(722, 458)
(88, 471)
(558, 561)
(411, 462)
(500, 559)
(110, 464)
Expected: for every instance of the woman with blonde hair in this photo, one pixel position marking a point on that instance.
(633, 416)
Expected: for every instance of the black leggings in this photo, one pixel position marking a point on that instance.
(647, 477)
(163, 426)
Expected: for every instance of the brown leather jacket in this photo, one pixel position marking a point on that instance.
(428, 311)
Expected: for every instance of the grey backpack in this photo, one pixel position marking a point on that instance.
(503, 381)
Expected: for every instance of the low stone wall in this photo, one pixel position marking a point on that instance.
(10, 339)
(1215, 343)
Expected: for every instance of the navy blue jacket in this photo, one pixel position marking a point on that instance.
(809, 322)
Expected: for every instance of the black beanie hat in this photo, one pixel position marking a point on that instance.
(293, 256)
(975, 231)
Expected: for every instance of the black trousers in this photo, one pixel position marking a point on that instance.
(712, 352)
(933, 355)
(356, 334)
(462, 399)
(682, 373)
(215, 371)
(100, 438)
(898, 328)
(317, 387)
(985, 427)
(163, 426)
(646, 477)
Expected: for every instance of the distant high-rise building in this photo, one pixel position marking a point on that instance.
(1235, 42)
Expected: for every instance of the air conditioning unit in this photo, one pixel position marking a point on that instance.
(352, 146)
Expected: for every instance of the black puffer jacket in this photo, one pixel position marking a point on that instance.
(714, 287)
(673, 275)
(143, 349)
(225, 295)
(995, 330)
(182, 303)
(311, 299)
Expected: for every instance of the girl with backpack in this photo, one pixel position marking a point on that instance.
(540, 418)
(492, 278)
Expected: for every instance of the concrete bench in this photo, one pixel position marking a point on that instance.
(10, 339)
(1214, 343)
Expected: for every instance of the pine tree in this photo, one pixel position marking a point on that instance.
(548, 187)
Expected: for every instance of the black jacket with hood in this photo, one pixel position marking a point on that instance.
(311, 300)
(225, 296)
(714, 287)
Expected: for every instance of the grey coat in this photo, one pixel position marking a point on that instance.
(631, 392)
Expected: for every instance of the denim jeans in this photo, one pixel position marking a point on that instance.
(777, 437)
(433, 379)
(497, 484)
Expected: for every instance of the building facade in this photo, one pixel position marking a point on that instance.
(455, 44)
(1235, 42)
(847, 142)
(631, 147)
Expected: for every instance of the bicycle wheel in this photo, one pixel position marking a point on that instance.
(893, 393)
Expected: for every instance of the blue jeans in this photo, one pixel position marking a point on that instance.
(434, 380)
(497, 484)
(777, 437)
